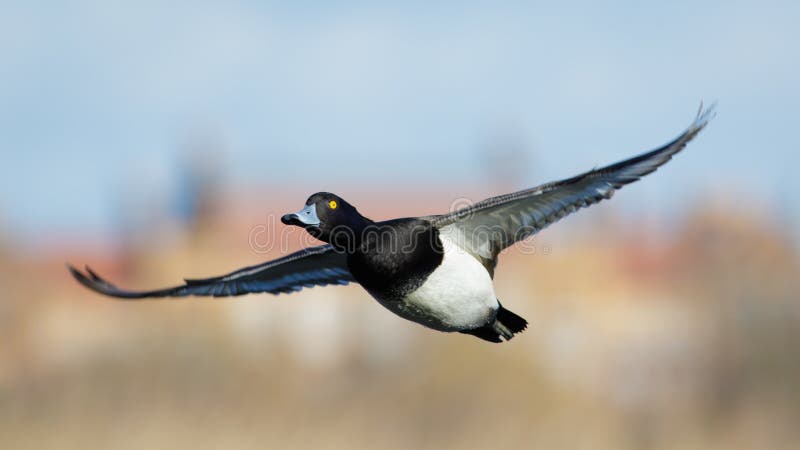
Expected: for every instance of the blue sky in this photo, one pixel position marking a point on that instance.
(95, 96)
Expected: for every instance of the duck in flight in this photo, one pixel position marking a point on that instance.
(433, 270)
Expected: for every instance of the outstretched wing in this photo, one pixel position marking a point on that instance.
(315, 266)
(487, 227)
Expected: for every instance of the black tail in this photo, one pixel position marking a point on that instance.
(513, 322)
(505, 325)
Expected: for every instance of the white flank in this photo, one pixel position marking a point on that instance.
(458, 295)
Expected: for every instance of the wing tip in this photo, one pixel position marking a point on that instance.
(94, 282)
(704, 115)
(91, 281)
(74, 272)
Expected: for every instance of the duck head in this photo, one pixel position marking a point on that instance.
(330, 219)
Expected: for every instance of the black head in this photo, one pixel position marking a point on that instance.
(328, 218)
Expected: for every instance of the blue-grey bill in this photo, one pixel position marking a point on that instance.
(306, 216)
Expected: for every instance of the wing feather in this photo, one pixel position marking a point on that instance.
(315, 266)
(489, 226)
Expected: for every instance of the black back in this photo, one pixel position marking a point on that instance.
(395, 257)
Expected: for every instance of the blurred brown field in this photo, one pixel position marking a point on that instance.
(642, 336)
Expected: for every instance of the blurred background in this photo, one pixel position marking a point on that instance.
(155, 141)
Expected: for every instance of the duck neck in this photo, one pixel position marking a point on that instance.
(347, 237)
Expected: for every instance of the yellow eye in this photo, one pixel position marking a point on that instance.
(333, 204)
